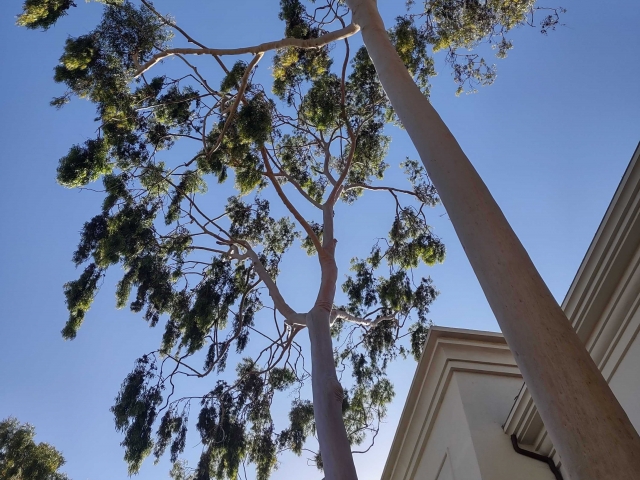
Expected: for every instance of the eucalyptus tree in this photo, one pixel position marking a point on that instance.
(587, 425)
(296, 142)
(21, 458)
(207, 268)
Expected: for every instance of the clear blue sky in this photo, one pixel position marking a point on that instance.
(551, 138)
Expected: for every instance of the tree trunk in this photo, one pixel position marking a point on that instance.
(327, 391)
(327, 401)
(587, 425)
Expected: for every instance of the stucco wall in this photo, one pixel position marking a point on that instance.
(625, 382)
(487, 400)
(467, 441)
(450, 437)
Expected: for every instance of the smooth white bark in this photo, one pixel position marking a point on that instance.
(587, 425)
(327, 400)
(321, 41)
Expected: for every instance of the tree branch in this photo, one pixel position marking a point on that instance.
(263, 47)
(303, 223)
(274, 292)
(336, 314)
(236, 102)
(294, 182)
(370, 187)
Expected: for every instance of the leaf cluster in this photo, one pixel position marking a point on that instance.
(22, 458)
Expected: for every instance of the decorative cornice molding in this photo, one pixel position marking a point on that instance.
(614, 244)
(446, 351)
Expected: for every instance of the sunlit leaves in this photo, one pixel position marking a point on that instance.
(22, 458)
(254, 120)
(232, 79)
(321, 104)
(291, 66)
(423, 188)
(411, 44)
(79, 296)
(412, 241)
(43, 13)
(84, 164)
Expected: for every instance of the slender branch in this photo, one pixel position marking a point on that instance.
(370, 187)
(295, 183)
(201, 79)
(327, 160)
(263, 47)
(274, 292)
(188, 37)
(336, 314)
(303, 223)
(236, 102)
(337, 188)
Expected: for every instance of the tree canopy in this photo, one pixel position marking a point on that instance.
(205, 268)
(21, 458)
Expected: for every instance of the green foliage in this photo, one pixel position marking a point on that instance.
(21, 458)
(43, 13)
(233, 78)
(302, 425)
(254, 121)
(84, 164)
(292, 66)
(458, 26)
(321, 105)
(135, 412)
(411, 44)
(79, 295)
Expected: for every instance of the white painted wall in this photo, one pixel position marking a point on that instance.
(467, 441)
(450, 437)
(625, 382)
(487, 400)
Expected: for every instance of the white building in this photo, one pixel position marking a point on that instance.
(467, 404)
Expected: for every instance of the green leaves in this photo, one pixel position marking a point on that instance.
(84, 164)
(22, 458)
(79, 296)
(43, 13)
(233, 78)
(254, 121)
(292, 66)
(302, 424)
(135, 412)
(412, 241)
(321, 105)
(172, 429)
(411, 45)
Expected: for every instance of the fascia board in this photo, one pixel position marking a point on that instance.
(611, 249)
